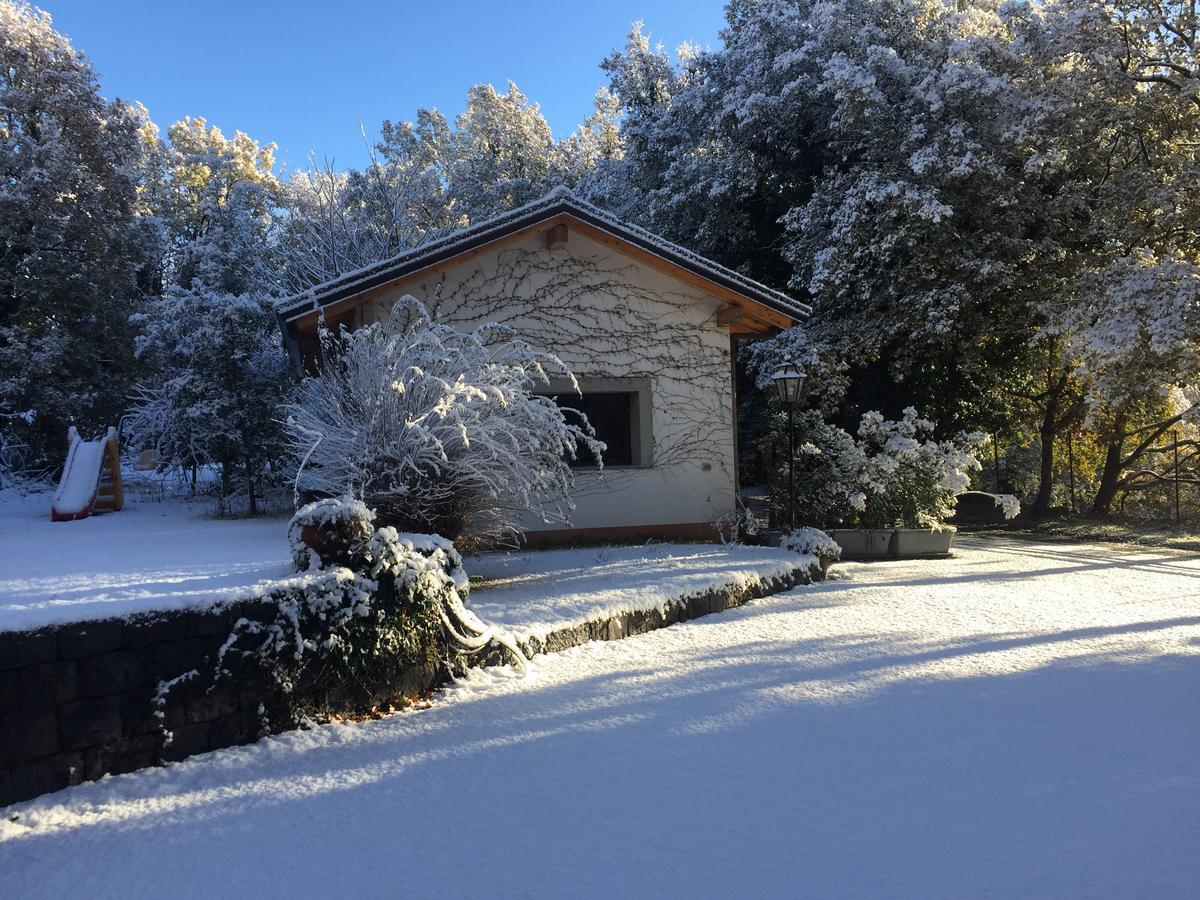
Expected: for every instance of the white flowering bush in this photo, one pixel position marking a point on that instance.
(437, 429)
(812, 542)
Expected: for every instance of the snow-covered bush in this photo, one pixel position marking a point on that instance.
(351, 633)
(812, 542)
(327, 530)
(910, 480)
(893, 475)
(1008, 505)
(436, 428)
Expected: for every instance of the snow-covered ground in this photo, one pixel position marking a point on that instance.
(537, 592)
(154, 554)
(1019, 721)
(169, 554)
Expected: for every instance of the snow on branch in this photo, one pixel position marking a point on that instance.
(437, 428)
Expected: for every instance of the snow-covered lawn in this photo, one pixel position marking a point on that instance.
(168, 554)
(1019, 721)
(155, 554)
(536, 592)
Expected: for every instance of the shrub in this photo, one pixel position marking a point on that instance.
(812, 542)
(375, 614)
(437, 429)
(894, 475)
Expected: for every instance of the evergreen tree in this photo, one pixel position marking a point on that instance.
(74, 243)
(221, 372)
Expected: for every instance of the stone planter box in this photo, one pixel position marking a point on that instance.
(918, 542)
(863, 544)
(895, 543)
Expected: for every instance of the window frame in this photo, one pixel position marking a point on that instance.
(641, 425)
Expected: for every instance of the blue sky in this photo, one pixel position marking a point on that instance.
(304, 75)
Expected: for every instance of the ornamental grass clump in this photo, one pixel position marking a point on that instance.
(438, 429)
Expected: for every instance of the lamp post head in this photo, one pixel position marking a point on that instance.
(789, 381)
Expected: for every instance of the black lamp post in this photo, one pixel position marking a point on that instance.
(789, 381)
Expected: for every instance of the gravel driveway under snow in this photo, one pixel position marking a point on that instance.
(1019, 721)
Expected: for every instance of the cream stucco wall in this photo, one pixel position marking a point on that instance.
(610, 317)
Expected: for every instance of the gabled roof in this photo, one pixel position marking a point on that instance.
(559, 203)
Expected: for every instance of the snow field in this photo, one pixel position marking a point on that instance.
(1019, 721)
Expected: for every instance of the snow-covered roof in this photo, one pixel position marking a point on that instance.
(559, 201)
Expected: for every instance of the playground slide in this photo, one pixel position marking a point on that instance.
(87, 464)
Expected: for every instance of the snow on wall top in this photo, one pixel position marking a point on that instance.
(559, 200)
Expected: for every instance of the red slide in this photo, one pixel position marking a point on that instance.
(91, 479)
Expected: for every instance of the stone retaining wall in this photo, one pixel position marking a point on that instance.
(76, 700)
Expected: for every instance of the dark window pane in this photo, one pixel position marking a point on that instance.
(611, 414)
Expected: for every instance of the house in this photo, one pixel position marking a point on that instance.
(649, 329)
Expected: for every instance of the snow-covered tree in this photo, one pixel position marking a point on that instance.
(219, 368)
(503, 154)
(337, 221)
(73, 241)
(1136, 333)
(437, 429)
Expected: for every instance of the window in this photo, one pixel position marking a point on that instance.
(619, 410)
(611, 413)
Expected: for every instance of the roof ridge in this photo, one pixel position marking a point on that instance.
(560, 195)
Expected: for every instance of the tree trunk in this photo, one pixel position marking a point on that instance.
(1110, 479)
(1041, 503)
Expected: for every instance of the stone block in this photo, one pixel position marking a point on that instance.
(111, 673)
(47, 685)
(187, 740)
(215, 623)
(239, 728)
(137, 713)
(125, 755)
(10, 691)
(27, 736)
(89, 638)
(144, 631)
(51, 773)
(171, 659)
(209, 705)
(24, 648)
(87, 723)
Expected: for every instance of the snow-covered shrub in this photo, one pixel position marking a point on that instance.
(812, 542)
(910, 480)
(327, 531)
(1009, 505)
(894, 475)
(436, 428)
(353, 633)
(738, 525)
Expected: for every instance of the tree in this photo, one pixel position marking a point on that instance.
(220, 370)
(437, 429)
(337, 222)
(502, 153)
(74, 240)
(1137, 333)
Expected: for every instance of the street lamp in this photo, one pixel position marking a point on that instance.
(789, 381)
